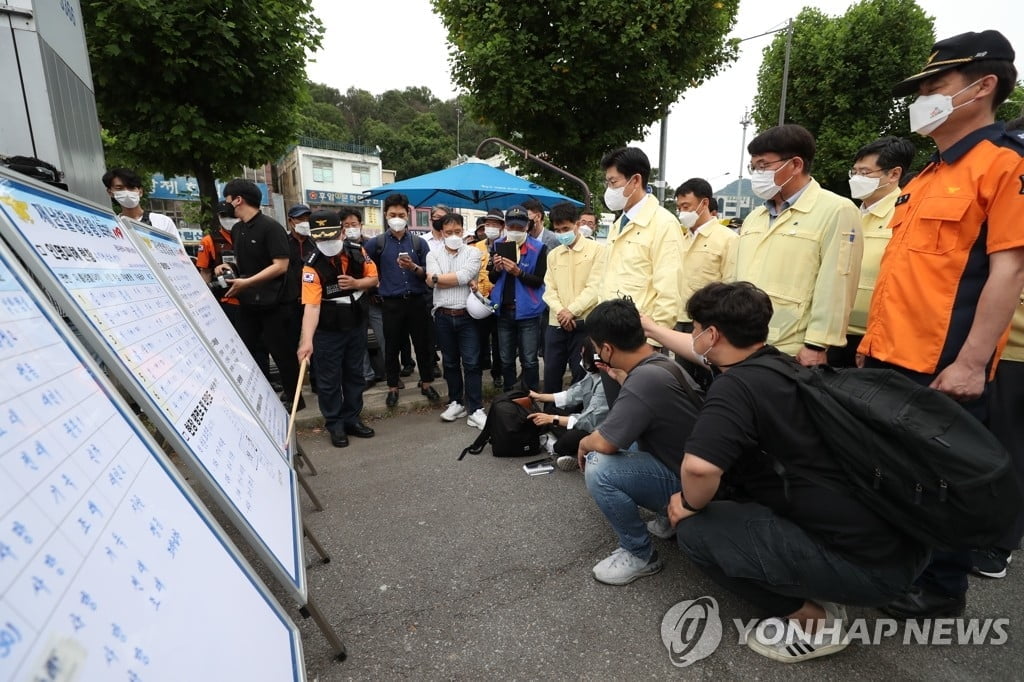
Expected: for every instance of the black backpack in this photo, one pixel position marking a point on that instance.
(909, 453)
(507, 429)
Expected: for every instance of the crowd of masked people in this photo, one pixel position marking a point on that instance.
(918, 270)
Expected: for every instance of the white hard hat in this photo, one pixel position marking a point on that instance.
(479, 306)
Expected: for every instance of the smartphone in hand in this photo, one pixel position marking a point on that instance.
(507, 250)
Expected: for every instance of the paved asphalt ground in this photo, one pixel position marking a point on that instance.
(469, 570)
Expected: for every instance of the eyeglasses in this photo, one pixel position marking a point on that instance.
(610, 182)
(764, 166)
(865, 172)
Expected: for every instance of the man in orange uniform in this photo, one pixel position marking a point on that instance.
(216, 248)
(334, 280)
(952, 274)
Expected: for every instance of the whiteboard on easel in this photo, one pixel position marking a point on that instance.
(169, 259)
(109, 566)
(86, 262)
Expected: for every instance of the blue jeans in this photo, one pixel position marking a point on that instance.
(624, 481)
(460, 352)
(519, 336)
(338, 361)
(561, 348)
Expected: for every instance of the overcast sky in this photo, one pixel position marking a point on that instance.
(393, 44)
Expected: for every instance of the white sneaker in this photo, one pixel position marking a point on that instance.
(452, 412)
(477, 419)
(795, 645)
(567, 463)
(659, 527)
(622, 567)
(547, 443)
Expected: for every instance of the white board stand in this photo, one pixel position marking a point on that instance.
(109, 563)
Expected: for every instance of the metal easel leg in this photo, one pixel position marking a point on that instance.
(324, 556)
(303, 459)
(310, 610)
(309, 491)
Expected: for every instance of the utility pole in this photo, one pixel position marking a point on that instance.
(458, 131)
(785, 73)
(745, 121)
(662, 156)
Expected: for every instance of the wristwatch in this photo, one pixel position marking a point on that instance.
(687, 507)
(433, 278)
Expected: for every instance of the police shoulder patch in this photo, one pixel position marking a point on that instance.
(307, 277)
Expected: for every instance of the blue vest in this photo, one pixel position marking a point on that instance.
(529, 301)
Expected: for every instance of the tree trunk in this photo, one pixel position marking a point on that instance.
(207, 193)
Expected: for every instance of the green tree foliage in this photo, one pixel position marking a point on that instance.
(321, 117)
(184, 88)
(1013, 107)
(575, 78)
(416, 131)
(841, 74)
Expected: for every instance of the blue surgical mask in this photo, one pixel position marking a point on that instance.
(566, 238)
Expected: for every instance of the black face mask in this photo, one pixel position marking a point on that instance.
(437, 223)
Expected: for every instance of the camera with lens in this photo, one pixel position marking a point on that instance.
(222, 282)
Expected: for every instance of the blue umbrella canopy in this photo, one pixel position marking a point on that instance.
(470, 185)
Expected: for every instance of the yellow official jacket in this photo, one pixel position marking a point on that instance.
(874, 225)
(1014, 350)
(708, 256)
(644, 260)
(808, 261)
(565, 282)
(483, 283)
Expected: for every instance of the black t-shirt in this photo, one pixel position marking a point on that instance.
(257, 243)
(753, 416)
(653, 410)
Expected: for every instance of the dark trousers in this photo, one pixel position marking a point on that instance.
(404, 318)
(490, 353)
(260, 353)
(460, 352)
(568, 443)
(947, 572)
(338, 360)
(1006, 419)
(519, 336)
(772, 563)
(265, 328)
(847, 355)
(562, 348)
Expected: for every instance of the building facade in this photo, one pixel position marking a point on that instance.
(332, 175)
(736, 200)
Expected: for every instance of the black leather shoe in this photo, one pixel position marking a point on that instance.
(407, 370)
(920, 603)
(392, 399)
(287, 400)
(359, 430)
(432, 395)
(339, 440)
